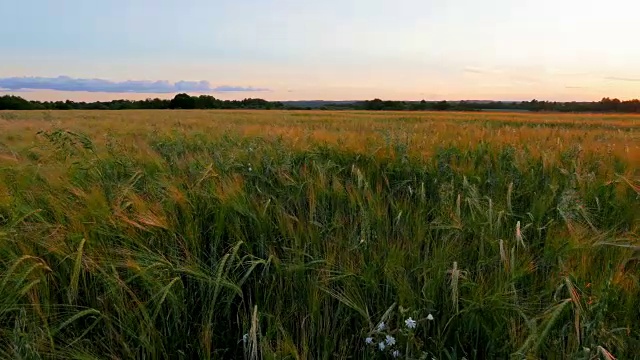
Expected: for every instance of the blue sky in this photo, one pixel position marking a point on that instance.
(333, 49)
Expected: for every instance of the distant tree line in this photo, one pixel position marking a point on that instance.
(185, 101)
(180, 101)
(604, 105)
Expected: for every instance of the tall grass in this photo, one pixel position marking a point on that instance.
(179, 243)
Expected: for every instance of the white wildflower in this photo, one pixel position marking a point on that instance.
(369, 340)
(410, 323)
(381, 346)
(382, 326)
(390, 340)
(430, 317)
(395, 353)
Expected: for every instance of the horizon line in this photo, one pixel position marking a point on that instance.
(7, 92)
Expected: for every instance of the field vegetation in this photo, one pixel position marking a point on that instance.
(318, 235)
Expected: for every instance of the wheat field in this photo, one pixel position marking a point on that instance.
(319, 235)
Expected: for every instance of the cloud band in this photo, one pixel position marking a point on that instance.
(66, 83)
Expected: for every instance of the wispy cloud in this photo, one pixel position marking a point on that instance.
(621, 78)
(226, 88)
(65, 83)
(474, 70)
(575, 87)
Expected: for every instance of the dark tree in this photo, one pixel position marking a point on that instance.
(183, 101)
(442, 105)
(10, 102)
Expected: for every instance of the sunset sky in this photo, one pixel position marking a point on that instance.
(331, 49)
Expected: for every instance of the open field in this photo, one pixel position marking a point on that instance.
(295, 235)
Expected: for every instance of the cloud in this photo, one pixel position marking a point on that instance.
(575, 87)
(65, 83)
(474, 70)
(17, 90)
(226, 88)
(621, 78)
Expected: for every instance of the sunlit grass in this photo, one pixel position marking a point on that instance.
(264, 234)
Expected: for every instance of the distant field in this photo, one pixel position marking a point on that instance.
(295, 235)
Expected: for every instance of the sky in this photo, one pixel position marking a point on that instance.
(89, 50)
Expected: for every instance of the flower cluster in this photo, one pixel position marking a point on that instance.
(382, 340)
(386, 340)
